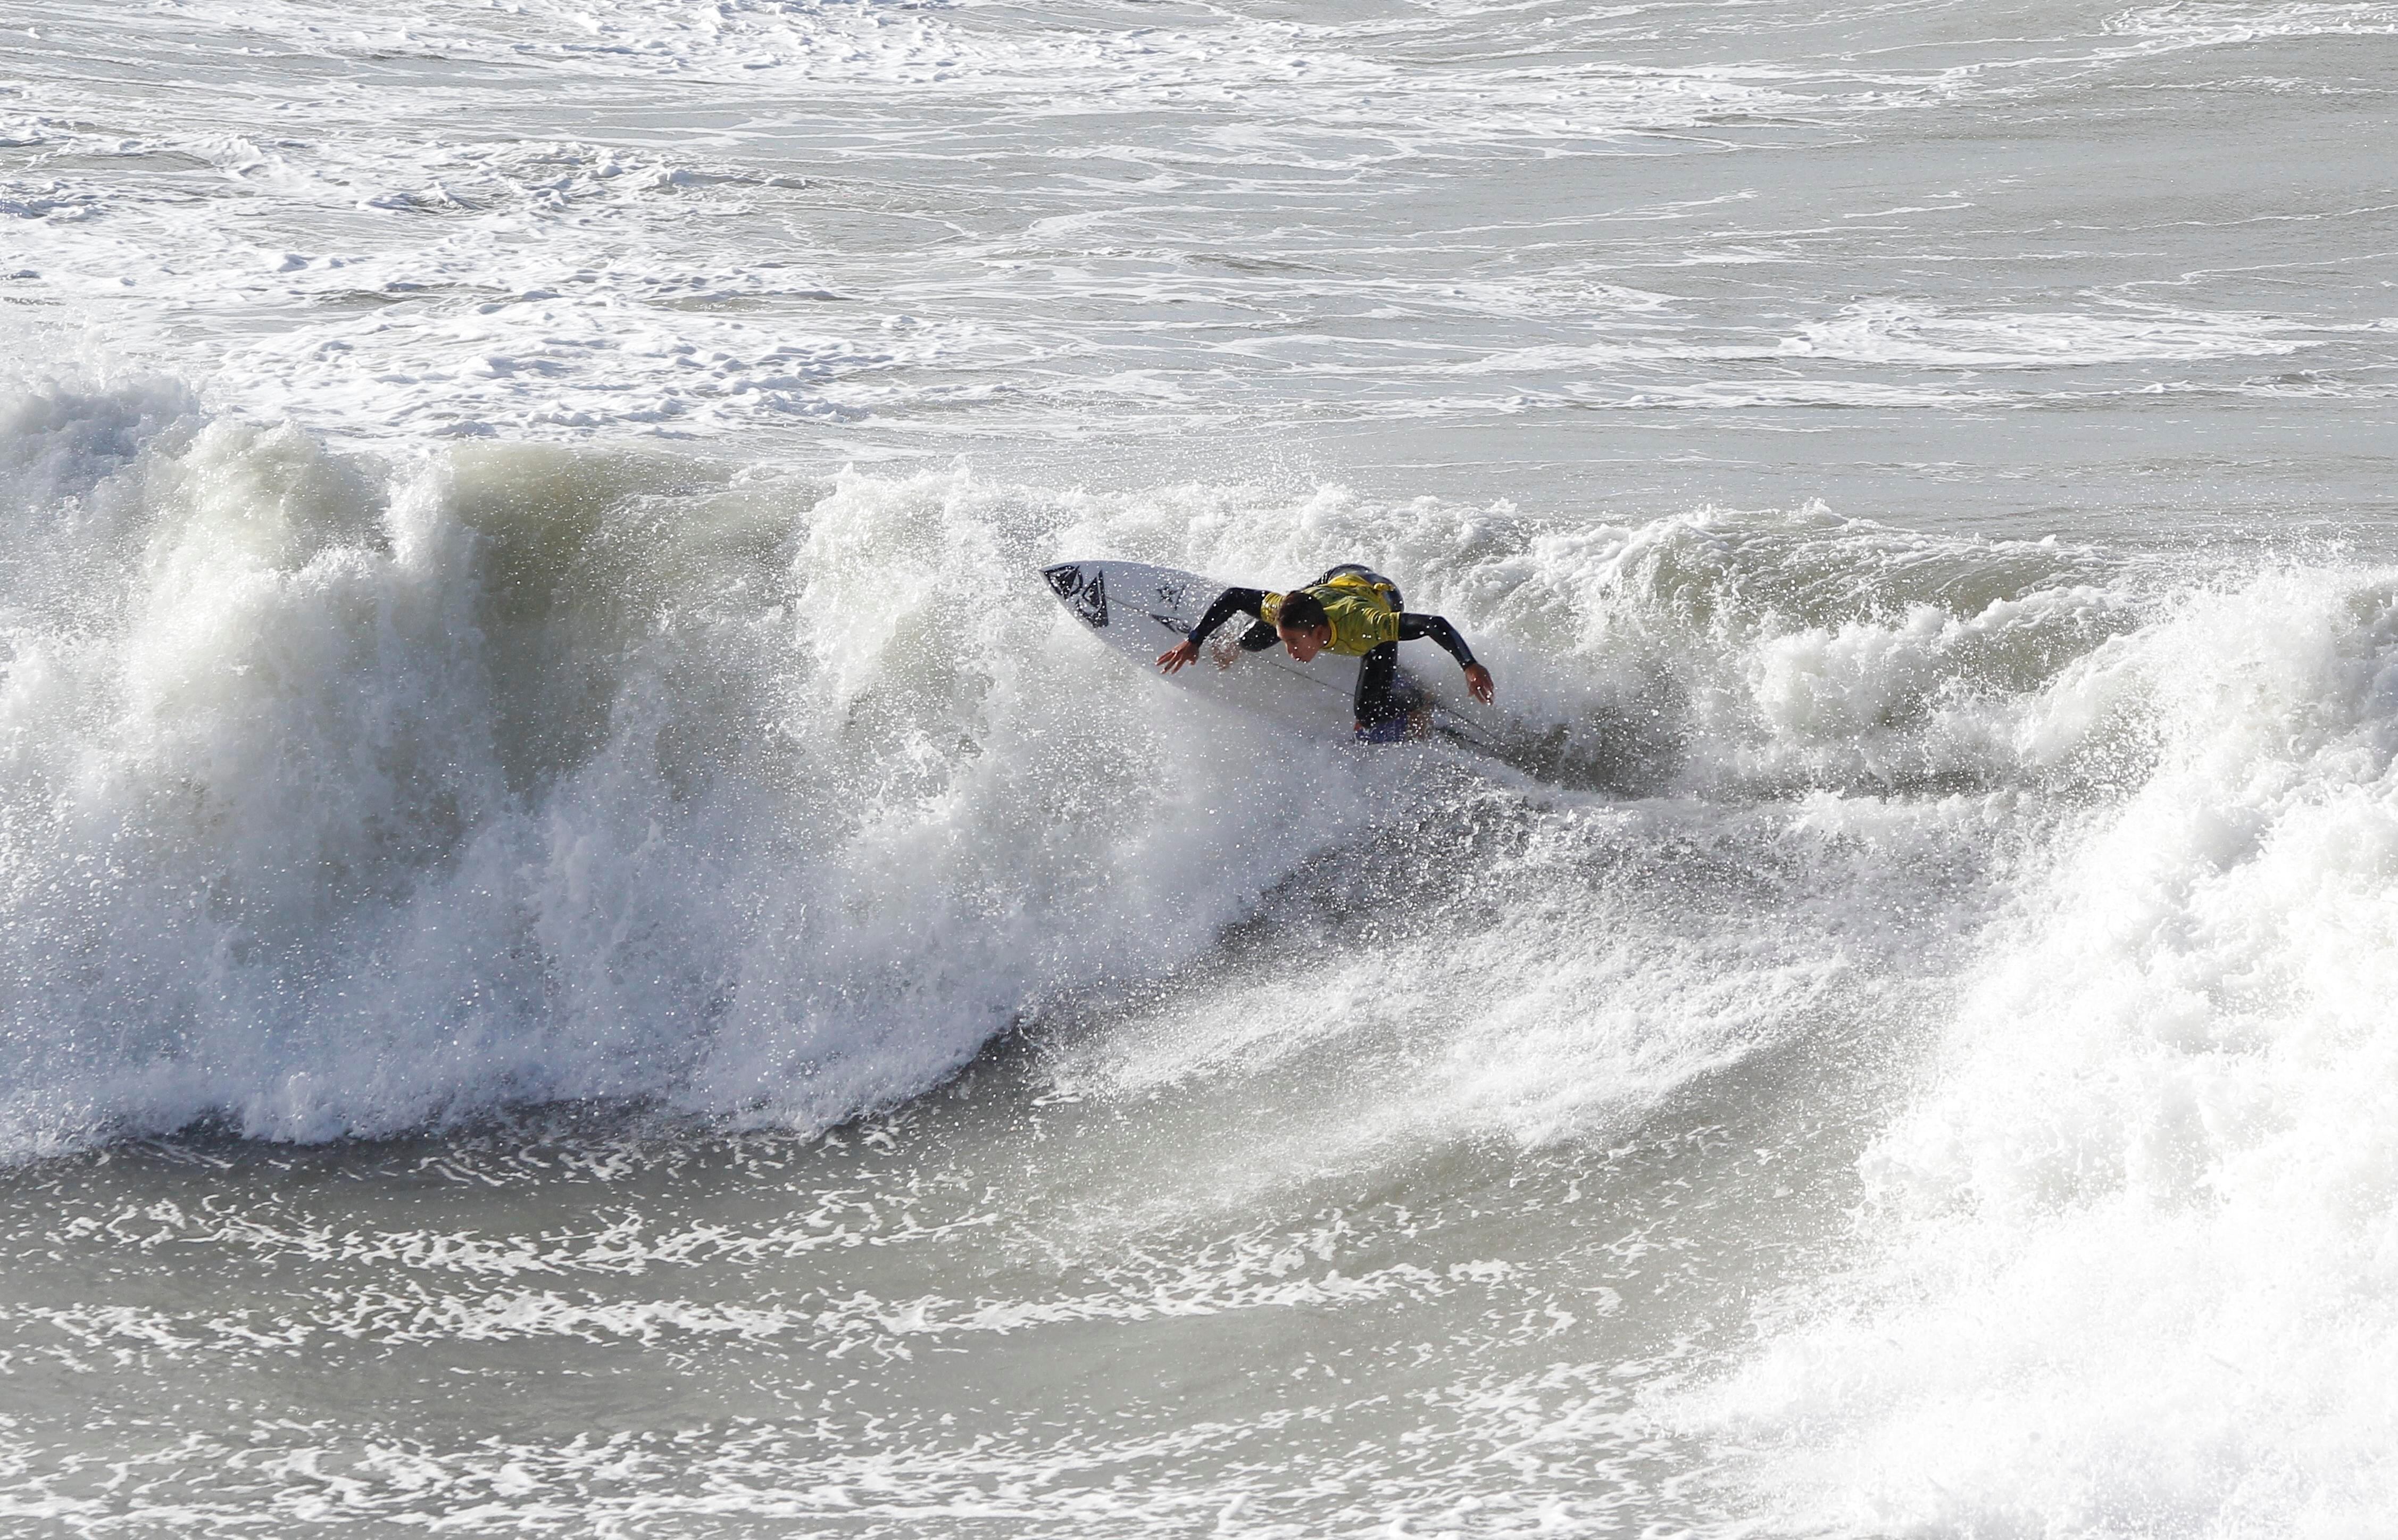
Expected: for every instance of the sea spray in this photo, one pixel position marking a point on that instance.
(352, 799)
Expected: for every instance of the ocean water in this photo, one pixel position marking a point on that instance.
(585, 951)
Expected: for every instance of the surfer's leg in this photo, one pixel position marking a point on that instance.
(1383, 701)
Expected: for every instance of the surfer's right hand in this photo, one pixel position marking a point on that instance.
(1177, 655)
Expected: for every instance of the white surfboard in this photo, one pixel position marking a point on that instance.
(1140, 610)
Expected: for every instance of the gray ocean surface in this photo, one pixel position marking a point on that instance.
(586, 952)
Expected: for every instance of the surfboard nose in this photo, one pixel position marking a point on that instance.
(1086, 595)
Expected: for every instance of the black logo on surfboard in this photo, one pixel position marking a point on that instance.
(1087, 598)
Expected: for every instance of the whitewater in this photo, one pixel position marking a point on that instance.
(585, 951)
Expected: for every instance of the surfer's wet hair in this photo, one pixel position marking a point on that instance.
(1301, 612)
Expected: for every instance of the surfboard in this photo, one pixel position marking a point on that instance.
(1140, 610)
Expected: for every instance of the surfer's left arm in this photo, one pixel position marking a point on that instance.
(1433, 628)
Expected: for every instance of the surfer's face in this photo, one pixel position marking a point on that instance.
(1304, 645)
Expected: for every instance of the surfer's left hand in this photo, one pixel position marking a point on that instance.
(1478, 679)
(1175, 657)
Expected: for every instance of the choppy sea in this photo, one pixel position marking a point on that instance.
(586, 952)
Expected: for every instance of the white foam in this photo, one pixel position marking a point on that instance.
(1887, 331)
(2132, 1244)
(385, 800)
(2186, 26)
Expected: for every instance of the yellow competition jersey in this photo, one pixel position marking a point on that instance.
(1359, 607)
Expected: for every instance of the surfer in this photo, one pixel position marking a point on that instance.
(1351, 610)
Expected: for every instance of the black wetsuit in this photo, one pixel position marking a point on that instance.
(1380, 706)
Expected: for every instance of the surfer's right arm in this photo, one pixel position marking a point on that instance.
(1232, 601)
